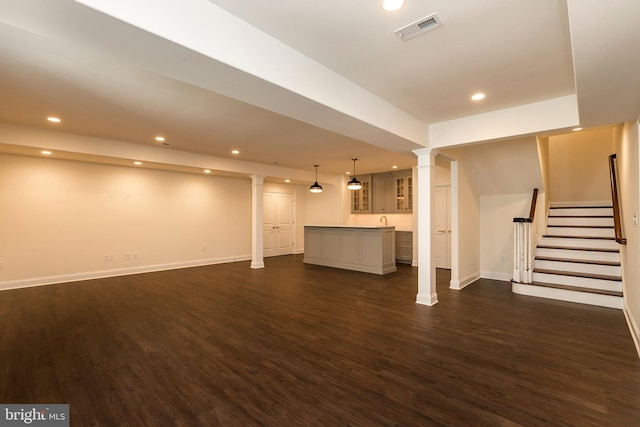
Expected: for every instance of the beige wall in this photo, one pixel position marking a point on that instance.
(578, 166)
(496, 232)
(60, 218)
(468, 225)
(495, 181)
(543, 155)
(628, 158)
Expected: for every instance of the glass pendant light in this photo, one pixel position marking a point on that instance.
(316, 188)
(354, 184)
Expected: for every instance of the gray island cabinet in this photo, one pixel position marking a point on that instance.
(359, 248)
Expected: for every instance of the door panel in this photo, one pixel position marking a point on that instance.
(278, 224)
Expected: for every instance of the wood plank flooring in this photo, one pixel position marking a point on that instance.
(303, 345)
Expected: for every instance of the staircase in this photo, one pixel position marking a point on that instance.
(578, 259)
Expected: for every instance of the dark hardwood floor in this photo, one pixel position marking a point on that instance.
(297, 344)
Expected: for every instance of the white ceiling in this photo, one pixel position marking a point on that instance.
(112, 80)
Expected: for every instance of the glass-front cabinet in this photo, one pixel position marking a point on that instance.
(404, 192)
(361, 201)
(389, 192)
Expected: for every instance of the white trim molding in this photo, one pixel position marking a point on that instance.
(426, 299)
(633, 327)
(100, 274)
(463, 283)
(493, 275)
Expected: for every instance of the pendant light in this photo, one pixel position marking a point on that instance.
(316, 188)
(354, 184)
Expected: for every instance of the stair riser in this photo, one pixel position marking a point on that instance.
(582, 232)
(608, 285)
(570, 296)
(578, 243)
(581, 212)
(574, 267)
(589, 222)
(579, 255)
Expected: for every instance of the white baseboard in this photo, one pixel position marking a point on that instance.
(89, 275)
(633, 327)
(505, 277)
(426, 299)
(462, 283)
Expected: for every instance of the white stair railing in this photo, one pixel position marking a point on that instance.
(524, 235)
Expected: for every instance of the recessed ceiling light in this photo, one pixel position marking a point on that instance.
(287, 180)
(160, 138)
(478, 96)
(207, 171)
(46, 152)
(576, 129)
(394, 167)
(348, 173)
(235, 152)
(137, 163)
(54, 119)
(392, 5)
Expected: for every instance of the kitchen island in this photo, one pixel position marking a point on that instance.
(369, 249)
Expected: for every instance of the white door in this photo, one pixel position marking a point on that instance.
(442, 227)
(278, 224)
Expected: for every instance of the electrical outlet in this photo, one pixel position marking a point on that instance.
(134, 255)
(127, 256)
(204, 248)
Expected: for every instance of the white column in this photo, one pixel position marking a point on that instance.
(414, 177)
(516, 272)
(257, 246)
(426, 209)
(455, 230)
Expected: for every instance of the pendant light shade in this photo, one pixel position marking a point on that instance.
(354, 184)
(316, 188)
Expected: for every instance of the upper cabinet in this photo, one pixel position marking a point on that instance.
(384, 193)
(361, 201)
(403, 191)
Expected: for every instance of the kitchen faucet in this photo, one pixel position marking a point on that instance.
(385, 219)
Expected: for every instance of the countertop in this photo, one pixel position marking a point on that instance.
(397, 228)
(351, 226)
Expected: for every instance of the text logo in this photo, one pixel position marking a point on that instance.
(34, 415)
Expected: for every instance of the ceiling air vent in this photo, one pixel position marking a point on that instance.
(421, 26)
